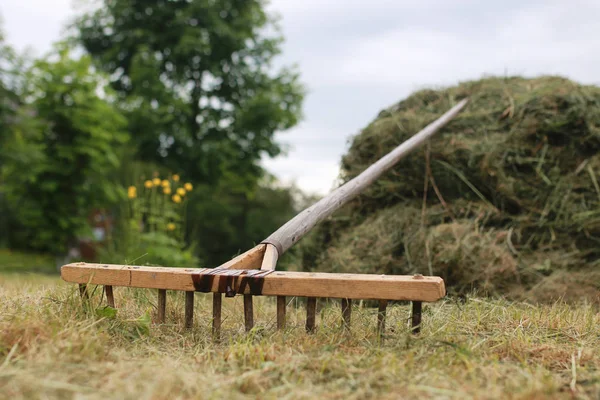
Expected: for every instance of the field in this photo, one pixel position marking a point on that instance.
(53, 346)
(123, 144)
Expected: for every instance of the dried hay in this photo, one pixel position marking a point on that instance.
(513, 198)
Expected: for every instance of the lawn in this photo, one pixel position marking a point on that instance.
(18, 262)
(53, 346)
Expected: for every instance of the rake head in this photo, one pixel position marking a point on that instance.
(245, 276)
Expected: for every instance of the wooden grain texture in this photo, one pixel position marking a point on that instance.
(381, 316)
(311, 314)
(189, 310)
(346, 313)
(281, 312)
(162, 306)
(269, 261)
(248, 312)
(302, 223)
(216, 322)
(417, 309)
(274, 283)
(110, 298)
(252, 259)
(83, 291)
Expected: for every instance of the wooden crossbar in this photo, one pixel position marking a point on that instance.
(260, 282)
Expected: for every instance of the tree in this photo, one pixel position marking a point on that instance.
(55, 171)
(9, 101)
(16, 122)
(195, 82)
(9, 98)
(226, 223)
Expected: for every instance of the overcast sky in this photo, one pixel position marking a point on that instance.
(357, 57)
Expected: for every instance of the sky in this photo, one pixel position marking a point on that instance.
(357, 57)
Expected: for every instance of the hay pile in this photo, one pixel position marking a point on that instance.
(512, 203)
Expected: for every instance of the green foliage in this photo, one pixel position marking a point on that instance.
(141, 325)
(150, 227)
(57, 158)
(106, 312)
(9, 103)
(194, 79)
(226, 223)
(203, 100)
(12, 261)
(9, 99)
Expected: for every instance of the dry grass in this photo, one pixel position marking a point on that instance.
(52, 347)
(505, 199)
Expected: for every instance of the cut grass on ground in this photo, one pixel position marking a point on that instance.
(53, 347)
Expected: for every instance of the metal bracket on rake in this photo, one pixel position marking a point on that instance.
(253, 272)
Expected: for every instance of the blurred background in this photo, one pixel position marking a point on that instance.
(183, 132)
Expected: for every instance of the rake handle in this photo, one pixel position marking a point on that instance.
(290, 233)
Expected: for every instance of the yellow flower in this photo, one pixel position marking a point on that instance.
(176, 198)
(156, 181)
(167, 190)
(166, 183)
(132, 192)
(181, 191)
(176, 178)
(148, 184)
(188, 186)
(171, 226)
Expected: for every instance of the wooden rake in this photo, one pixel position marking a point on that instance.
(253, 272)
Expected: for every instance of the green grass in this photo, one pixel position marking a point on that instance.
(14, 261)
(52, 346)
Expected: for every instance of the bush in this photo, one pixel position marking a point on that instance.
(150, 226)
(58, 153)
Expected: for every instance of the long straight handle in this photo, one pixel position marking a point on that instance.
(301, 224)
